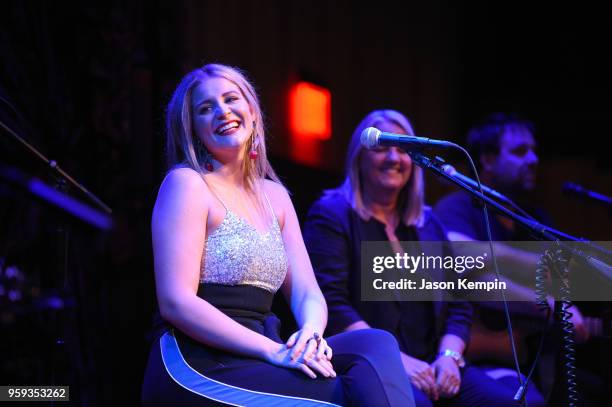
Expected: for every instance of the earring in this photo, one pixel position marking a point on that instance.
(253, 154)
(205, 154)
(208, 162)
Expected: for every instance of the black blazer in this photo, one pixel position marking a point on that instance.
(333, 233)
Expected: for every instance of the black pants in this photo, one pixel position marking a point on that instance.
(479, 390)
(367, 362)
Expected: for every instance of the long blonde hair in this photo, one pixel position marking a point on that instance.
(412, 197)
(180, 139)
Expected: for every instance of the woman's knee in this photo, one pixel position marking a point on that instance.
(370, 343)
(378, 336)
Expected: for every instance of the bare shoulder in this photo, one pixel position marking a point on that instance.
(183, 177)
(184, 185)
(279, 198)
(276, 191)
(186, 180)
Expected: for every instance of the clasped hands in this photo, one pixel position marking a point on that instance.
(440, 379)
(306, 351)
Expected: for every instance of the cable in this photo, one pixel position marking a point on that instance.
(555, 264)
(561, 262)
(543, 269)
(497, 273)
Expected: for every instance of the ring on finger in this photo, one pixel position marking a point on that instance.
(316, 337)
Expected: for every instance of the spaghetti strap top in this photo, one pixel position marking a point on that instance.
(236, 253)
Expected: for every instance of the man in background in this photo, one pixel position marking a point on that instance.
(504, 149)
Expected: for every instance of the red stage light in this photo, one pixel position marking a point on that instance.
(310, 111)
(309, 122)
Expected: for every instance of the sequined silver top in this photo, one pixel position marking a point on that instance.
(236, 253)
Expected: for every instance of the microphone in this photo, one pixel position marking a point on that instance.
(372, 137)
(578, 190)
(450, 170)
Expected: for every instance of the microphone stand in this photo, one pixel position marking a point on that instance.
(540, 231)
(544, 233)
(579, 191)
(63, 180)
(63, 176)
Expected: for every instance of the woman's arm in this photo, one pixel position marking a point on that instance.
(328, 245)
(446, 369)
(301, 290)
(300, 287)
(179, 230)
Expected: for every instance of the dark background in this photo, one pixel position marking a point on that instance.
(86, 83)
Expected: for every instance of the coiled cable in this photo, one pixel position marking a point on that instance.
(553, 267)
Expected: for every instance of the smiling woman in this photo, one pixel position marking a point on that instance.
(223, 119)
(227, 99)
(381, 199)
(225, 239)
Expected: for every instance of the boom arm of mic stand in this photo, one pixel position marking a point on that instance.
(65, 202)
(55, 167)
(541, 231)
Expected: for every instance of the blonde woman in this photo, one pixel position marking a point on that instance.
(225, 239)
(382, 199)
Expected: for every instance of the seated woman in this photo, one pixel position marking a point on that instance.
(382, 199)
(225, 239)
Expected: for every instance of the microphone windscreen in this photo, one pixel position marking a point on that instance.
(369, 137)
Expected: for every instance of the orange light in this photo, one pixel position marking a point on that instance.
(310, 111)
